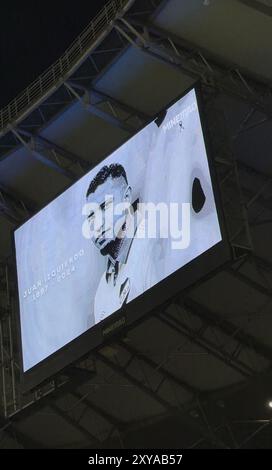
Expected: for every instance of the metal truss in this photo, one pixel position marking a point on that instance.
(263, 6)
(197, 421)
(230, 429)
(79, 50)
(9, 366)
(168, 406)
(237, 203)
(196, 414)
(219, 77)
(205, 414)
(14, 207)
(89, 105)
(231, 193)
(235, 337)
(172, 50)
(87, 434)
(197, 63)
(110, 111)
(62, 96)
(138, 31)
(27, 134)
(39, 152)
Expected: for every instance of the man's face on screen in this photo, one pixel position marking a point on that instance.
(105, 222)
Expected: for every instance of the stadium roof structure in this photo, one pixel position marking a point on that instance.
(202, 379)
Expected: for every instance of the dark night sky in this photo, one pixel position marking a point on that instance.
(33, 35)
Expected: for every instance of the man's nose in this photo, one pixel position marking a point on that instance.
(97, 225)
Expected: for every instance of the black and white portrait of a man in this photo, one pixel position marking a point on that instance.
(115, 233)
(91, 249)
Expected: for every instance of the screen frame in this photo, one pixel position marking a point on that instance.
(138, 308)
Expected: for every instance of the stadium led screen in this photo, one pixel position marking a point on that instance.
(134, 230)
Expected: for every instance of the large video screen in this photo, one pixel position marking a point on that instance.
(143, 213)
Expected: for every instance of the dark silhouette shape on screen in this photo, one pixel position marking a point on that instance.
(198, 196)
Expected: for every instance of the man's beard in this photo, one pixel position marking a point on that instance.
(113, 247)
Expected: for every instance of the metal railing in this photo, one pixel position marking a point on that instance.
(63, 67)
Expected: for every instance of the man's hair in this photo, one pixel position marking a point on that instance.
(114, 171)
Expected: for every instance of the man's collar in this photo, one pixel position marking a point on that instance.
(113, 266)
